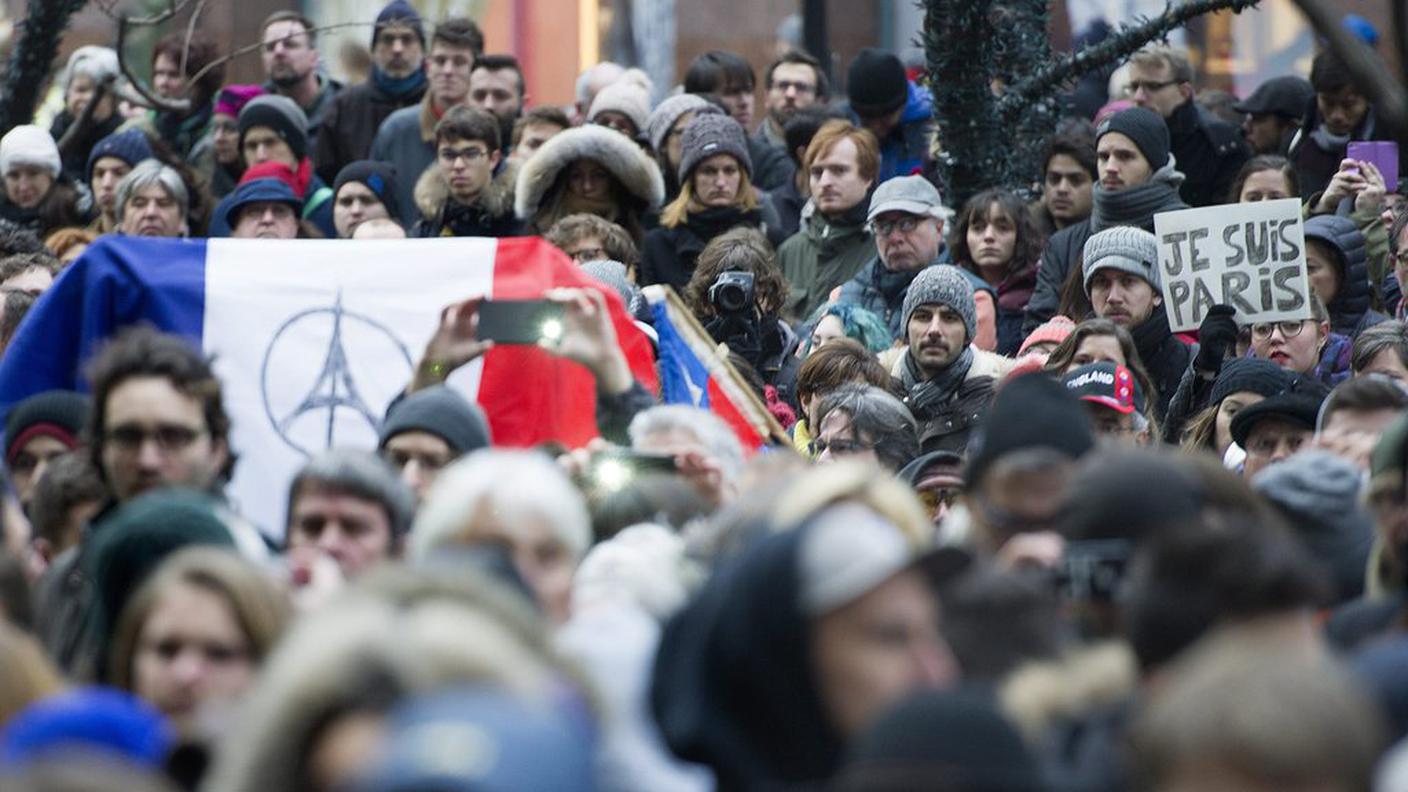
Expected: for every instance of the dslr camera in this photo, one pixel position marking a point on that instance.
(732, 292)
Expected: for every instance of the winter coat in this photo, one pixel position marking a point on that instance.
(905, 150)
(1164, 355)
(1316, 162)
(328, 89)
(1209, 151)
(1012, 294)
(351, 123)
(772, 168)
(951, 427)
(441, 216)
(734, 684)
(822, 256)
(75, 157)
(406, 139)
(541, 179)
(669, 254)
(1349, 309)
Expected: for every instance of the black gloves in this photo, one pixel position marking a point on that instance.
(1217, 336)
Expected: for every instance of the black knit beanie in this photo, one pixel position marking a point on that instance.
(1030, 411)
(379, 177)
(876, 83)
(1253, 375)
(59, 414)
(1145, 128)
(281, 114)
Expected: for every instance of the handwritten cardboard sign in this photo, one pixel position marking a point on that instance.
(1250, 256)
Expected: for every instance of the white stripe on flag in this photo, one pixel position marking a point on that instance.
(313, 338)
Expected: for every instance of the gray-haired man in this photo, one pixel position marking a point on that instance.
(906, 217)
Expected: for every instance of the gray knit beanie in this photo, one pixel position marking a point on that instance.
(708, 135)
(943, 284)
(669, 111)
(1124, 248)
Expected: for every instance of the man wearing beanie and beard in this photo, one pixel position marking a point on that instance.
(398, 80)
(1121, 274)
(898, 112)
(1138, 178)
(947, 383)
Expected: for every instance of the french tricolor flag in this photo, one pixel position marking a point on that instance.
(314, 338)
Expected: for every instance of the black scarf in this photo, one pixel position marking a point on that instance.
(184, 132)
(709, 223)
(1136, 206)
(927, 396)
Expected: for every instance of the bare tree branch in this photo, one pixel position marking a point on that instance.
(84, 122)
(1389, 100)
(150, 98)
(1128, 40)
(190, 33)
(258, 45)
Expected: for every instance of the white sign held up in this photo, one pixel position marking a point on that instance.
(1250, 256)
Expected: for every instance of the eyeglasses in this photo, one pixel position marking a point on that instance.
(1289, 329)
(470, 155)
(1149, 86)
(905, 225)
(933, 498)
(838, 447)
(169, 438)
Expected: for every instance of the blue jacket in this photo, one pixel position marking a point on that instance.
(906, 149)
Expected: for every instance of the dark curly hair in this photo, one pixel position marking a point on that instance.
(741, 249)
(1027, 250)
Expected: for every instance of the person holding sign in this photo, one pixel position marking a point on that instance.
(1138, 178)
(1122, 281)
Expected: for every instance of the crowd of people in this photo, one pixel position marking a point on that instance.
(1024, 536)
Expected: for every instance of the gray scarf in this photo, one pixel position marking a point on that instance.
(927, 396)
(1136, 206)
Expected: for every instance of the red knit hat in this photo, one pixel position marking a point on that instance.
(1056, 329)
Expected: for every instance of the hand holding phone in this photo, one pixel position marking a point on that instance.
(529, 322)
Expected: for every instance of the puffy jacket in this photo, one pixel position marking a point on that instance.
(1350, 310)
(906, 149)
(822, 256)
(490, 216)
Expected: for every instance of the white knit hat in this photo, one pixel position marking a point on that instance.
(28, 144)
(626, 97)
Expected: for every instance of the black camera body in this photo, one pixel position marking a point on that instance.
(732, 292)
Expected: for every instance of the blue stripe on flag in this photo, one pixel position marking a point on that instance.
(683, 377)
(118, 281)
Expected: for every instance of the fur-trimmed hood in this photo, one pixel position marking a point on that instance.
(636, 171)
(432, 190)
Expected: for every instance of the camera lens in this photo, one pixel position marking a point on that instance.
(731, 298)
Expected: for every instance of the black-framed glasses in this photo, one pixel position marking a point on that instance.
(904, 224)
(1149, 86)
(470, 155)
(168, 437)
(1289, 329)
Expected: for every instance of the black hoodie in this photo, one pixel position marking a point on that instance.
(734, 686)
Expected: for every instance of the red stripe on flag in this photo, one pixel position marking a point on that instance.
(721, 405)
(530, 395)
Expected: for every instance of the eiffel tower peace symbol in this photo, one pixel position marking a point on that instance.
(344, 384)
